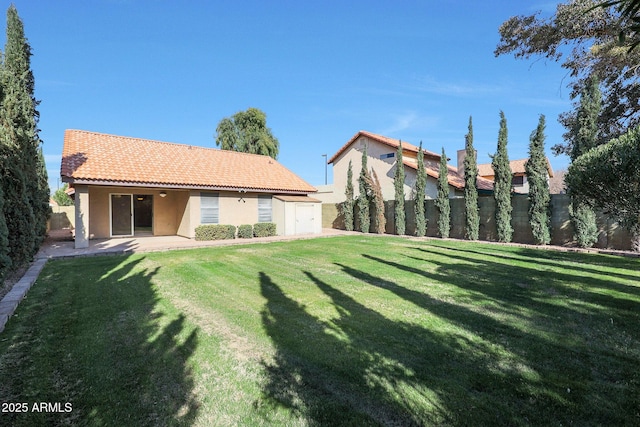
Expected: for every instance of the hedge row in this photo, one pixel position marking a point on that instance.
(245, 231)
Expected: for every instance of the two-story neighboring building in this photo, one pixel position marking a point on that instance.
(519, 181)
(381, 157)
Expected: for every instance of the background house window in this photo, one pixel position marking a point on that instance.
(387, 155)
(264, 208)
(517, 181)
(209, 208)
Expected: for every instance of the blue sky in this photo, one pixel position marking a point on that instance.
(320, 70)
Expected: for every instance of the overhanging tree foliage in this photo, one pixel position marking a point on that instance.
(539, 197)
(398, 182)
(442, 202)
(420, 187)
(347, 206)
(363, 198)
(247, 132)
(630, 13)
(585, 38)
(472, 211)
(502, 184)
(608, 177)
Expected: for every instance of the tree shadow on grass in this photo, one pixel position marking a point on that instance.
(558, 259)
(95, 334)
(510, 282)
(570, 346)
(361, 368)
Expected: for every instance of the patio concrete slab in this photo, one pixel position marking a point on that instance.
(117, 246)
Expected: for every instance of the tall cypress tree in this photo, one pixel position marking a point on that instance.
(442, 202)
(363, 197)
(502, 184)
(5, 260)
(421, 184)
(472, 211)
(42, 210)
(539, 197)
(347, 206)
(379, 220)
(25, 196)
(585, 136)
(398, 182)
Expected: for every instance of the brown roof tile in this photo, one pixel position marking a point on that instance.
(108, 159)
(453, 178)
(517, 166)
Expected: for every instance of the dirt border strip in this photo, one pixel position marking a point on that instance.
(17, 293)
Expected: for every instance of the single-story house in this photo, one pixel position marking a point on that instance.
(381, 157)
(519, 181)
(136, 187)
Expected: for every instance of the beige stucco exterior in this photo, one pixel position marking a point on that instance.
(385, 169)
(177, 211)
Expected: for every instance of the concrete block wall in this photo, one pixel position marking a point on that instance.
(612, 235)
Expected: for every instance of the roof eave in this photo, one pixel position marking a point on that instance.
(174, 186)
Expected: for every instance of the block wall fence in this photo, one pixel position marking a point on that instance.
(612, 235)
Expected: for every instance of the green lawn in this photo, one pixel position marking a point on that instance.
(357, 330)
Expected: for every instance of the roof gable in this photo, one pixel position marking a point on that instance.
(90, 157)
(406, 147)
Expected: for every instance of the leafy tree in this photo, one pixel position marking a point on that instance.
(363, 197)
(373, 183)
(247, 132)
(398, 182)
(347, 206)
(584, 136)
(61, 197)
(586, 39)
(442, 202)
(630, 13)
(472, 211)
(421, 184)
(502, 184)
(539, 197)
(608, 177)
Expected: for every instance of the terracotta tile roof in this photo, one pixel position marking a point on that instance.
(90, 157)
(406, 147)
(453, 178)
(517, 167)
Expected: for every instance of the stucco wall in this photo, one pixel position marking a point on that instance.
(385, 169)
(238, 208)
(167, 211)
(62, 217)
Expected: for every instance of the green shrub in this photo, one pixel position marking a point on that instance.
(245, 231)
(215, 232)
(264, 229)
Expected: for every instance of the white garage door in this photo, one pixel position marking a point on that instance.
(304, 218)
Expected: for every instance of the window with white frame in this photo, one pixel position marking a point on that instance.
(264, 208)
(209, 208)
